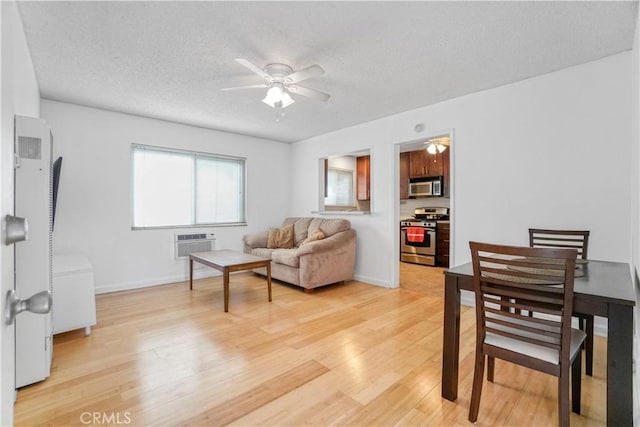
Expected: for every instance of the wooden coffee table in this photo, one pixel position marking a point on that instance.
(228, 261)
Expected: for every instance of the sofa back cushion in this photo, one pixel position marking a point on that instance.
(300, 226)
(329, 226)
(283, 237)
(316, 235)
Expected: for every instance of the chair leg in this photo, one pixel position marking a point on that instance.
(576, 383)
(563, 397)
(589, 346)
(478, 378)
(491, 363)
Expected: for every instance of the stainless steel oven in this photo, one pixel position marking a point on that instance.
(422, 251)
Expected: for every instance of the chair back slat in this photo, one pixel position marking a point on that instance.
(523, 294)
(523, 338)
(566, 239)
(525, 275)
(516, 315)
(525, 326)
(516, 305)
(511, 279)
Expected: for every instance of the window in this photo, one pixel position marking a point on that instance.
(173, 188)
(339, 187)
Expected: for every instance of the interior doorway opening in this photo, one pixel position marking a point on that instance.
(425, 160)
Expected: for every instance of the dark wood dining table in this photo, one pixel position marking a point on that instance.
(605, 290)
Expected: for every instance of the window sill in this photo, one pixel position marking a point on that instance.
(176, 227)
(341, 212)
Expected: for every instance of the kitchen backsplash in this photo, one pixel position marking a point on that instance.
(408, 206)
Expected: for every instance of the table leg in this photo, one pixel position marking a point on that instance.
(190, 273)
(451, 339)
(269, 279)
(225, 275)
(620, 365)
(588, 344)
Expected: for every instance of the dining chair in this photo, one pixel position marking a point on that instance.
(509, 280)
(571, 239)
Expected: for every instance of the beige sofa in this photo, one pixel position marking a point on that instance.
(309, 264)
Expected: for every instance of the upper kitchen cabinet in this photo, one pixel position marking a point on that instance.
(424, 164)
(418, 163)
(363, 177)
(405, 165)
(446, 172)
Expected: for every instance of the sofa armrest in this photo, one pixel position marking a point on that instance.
(330, 243)
(256, 240)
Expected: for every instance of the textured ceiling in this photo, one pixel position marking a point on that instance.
(169, 60)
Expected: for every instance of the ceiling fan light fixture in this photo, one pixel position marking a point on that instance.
(281, 81)
(435, 147)
(277, 97)
(286, 99)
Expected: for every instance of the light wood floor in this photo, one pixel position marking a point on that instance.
(352, 354)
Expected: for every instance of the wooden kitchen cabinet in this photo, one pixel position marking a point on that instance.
(436, 165)
(423, 164)
(405, 164)
(363, 177)
(442, 244)
(326, 177)
(418, 163)
(446, 172)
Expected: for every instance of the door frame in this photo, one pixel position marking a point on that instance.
(398, 146)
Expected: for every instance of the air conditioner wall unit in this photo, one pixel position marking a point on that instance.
(188, 243)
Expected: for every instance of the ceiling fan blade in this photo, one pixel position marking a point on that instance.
(306, 73)
(310, 93)
(263, 85)
(250, 65)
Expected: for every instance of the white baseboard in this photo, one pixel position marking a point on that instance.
(116, 287)
(372, 281)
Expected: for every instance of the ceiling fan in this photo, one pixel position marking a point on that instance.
(281, 81)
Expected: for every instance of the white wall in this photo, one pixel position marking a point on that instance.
(20, 95)
(93, 211)
(635, 200)
(551, 151)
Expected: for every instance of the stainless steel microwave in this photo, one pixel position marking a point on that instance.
(425, 187)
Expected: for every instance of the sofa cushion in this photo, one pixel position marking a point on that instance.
(286, 257)
(329, 226)
(316, 235)
(256, 240)
(300, 226)
(283, 237)
(263, 252)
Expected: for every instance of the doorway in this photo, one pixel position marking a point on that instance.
(424, 158)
